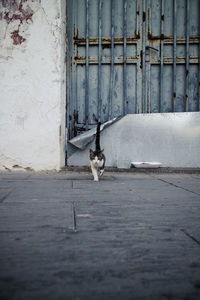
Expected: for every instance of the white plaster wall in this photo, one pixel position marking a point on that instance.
(32, 84)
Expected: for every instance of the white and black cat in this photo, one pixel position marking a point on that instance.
(97, 158)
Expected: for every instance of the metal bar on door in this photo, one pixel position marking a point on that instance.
(174, 60)
(125, 101)
(87, 67)
(99, 60)
(161, 55)
(187, 54)
(112, 62)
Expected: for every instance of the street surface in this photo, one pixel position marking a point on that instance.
(130, 236)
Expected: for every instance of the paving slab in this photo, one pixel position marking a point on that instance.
(137, 236)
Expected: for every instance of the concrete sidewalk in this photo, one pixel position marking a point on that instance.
(138, 236)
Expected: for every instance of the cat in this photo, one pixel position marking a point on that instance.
(97, 157)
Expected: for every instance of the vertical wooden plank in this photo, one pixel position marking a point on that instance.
(72, 67)
(69, 47)
(187, 54)
(144, 100)
(198, 9)
(112, 62)
(138, 107)
(99, 59)
(174, 58)
(125, 100)
(147, 56)
(87, 67)
(161, 54)
(75, 114)
(198, 33)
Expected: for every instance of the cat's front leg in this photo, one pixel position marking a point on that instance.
(101, 172)
(95, 173)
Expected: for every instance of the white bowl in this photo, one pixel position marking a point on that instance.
(145, 164)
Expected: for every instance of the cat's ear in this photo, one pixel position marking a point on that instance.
(102, 150)
(91, 151)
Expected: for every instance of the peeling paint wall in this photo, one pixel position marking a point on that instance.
(32, 84)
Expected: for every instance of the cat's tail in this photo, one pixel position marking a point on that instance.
(98, 136)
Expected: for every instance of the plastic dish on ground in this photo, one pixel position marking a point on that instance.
(145, 164)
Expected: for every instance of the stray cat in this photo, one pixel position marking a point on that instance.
(97, 158)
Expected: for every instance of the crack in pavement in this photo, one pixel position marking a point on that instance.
(178, 186)
(190, 236)
(5, 196)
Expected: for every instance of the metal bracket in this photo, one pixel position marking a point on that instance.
(149, 47)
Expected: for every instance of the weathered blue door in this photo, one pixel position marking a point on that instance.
(131, 56)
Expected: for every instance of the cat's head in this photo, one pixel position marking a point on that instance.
(96, 155)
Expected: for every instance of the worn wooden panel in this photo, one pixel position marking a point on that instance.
(131, 56)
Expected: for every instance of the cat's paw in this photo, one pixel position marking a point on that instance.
(96, 179)
(101, 172)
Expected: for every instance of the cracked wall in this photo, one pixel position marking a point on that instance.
(32, 84)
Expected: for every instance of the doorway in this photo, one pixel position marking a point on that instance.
(130, 57)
